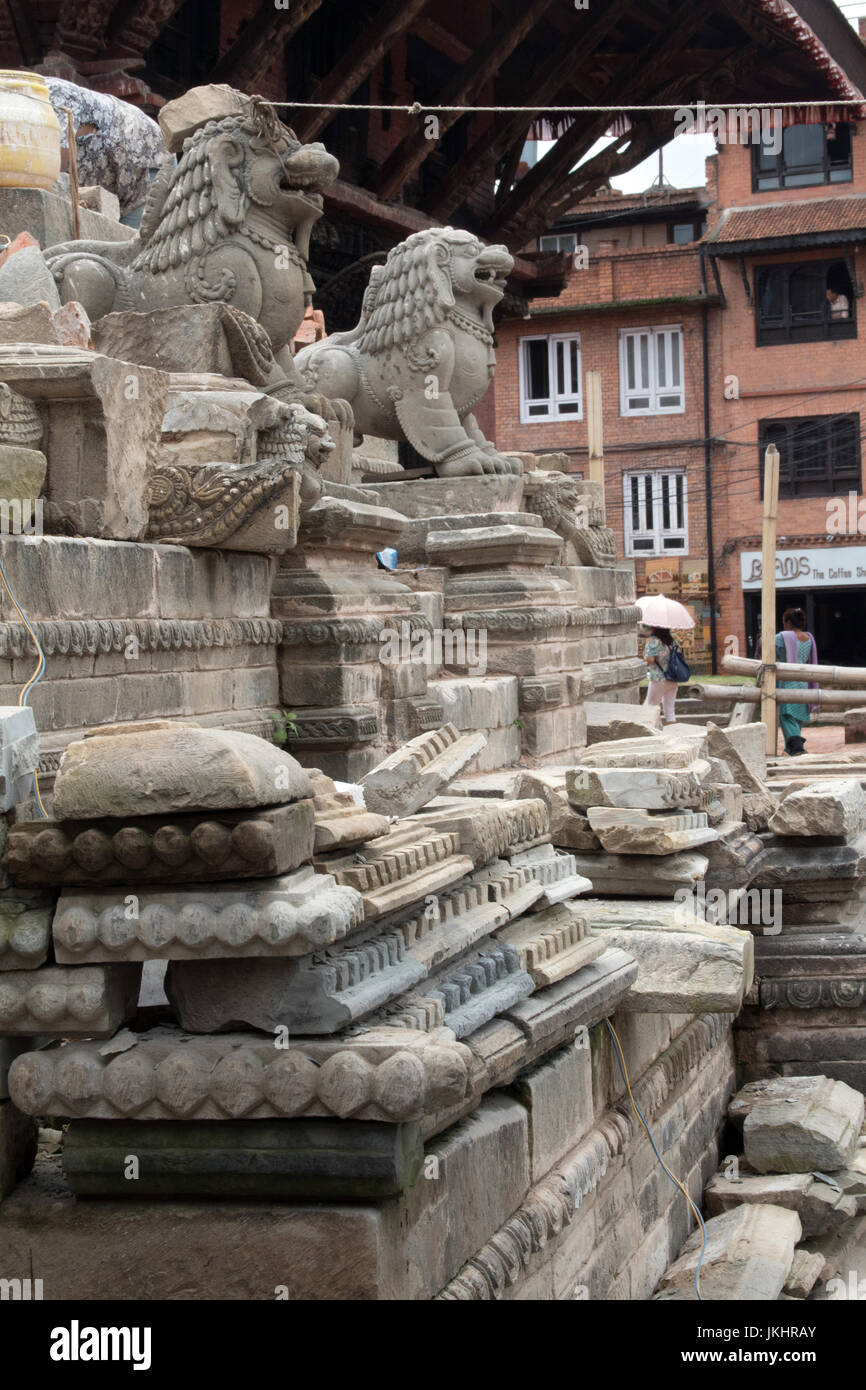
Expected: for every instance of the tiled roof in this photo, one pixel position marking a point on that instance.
(791, 219)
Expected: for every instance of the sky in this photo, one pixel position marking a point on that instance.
(683, 158)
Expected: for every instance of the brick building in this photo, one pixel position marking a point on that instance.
(706, 312)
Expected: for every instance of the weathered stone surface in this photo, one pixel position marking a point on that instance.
(836, 808)
(798, 1129)
(192, 338)
(162, 849)
(27, 323)
(583, 999)
(418, 771)
(552, 944)
(287, 916)
(22, 478)
(608, 720)
(748, 1257)
(557, 1094)
(569, 829)
(104, 420)
(806, 1270)
(18, 1136)
(492, 829)
(648, 788)
(759, 804)
(19, 754)
(555, 871)
(625, 831)
(455, 920)
(65, 1000)
(304, 1160)
(642, 875)
(25, 930)
(341, 818)
(699, 969)
(26, 279)
(401, 868)
(178, 767)
(477, 702)
(315, 994)
(819, 1207)
(675, 749)
(484, 984)
(478, 546)
(391, 1074)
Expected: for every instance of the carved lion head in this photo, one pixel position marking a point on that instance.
(423, 278)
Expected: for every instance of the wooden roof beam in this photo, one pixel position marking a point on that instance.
(260, 43)
(359, 60)
(488, 58)
(544, 82)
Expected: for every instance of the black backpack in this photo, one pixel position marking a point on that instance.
(677, 669)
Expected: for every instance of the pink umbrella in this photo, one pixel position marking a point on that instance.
(659, 611)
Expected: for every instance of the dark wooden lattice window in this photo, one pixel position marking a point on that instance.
(819, 455)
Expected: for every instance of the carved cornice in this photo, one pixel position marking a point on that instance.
(553, 1203)
(99, 636)
(813, 994)
(352, 631)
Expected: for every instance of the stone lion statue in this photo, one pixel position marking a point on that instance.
(422, 356)
(229, 223)
(574, 509)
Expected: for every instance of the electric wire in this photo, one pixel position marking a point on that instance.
(34, 679)
(620, 1057)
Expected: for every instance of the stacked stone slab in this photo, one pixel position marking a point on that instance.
(800, 1178)
(347, 977)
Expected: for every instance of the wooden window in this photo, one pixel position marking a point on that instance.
(550, 377)
(819, 455)
(792, 305)
(655, 513)
(651, 371)
(810, 154)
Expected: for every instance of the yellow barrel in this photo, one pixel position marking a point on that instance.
(29, 132)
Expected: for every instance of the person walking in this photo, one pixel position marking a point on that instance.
(657, 654)
(794, 644)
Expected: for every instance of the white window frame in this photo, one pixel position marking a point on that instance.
(553, 400)
(652, 389)
(652, 528)
(558, 237)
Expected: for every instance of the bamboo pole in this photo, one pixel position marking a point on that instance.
(789, 671)
(595, 427)
(752, 694)
(768, 595)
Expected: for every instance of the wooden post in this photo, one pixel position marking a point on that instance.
(768, 595)
(595, 427)
(73, 173)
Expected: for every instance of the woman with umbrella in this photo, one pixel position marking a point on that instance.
(660, 614)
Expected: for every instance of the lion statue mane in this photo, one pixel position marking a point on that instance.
(422, 354)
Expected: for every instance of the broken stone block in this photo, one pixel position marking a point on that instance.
(300, 1160)
(668, 751)
(552, 944)
(162, 849)
(836, 808)
(569, 829)
(178, 767)
(341, 820)
(556, 872)
(72, 325)
(420, 770)
(104, 420)
(642, 875)
(215, 338)
(608, 721)
(625, 831)
(27, 323)
(389, 1074)
(466, 996)
(22, 478)
(478, 547)
(287, 916)
(64, 1000)
(401, 868)
(819, 1207)
(19, 754)
(315, 994)
(26, 279)
(492, 829)
(798, 1129)
(181, 118)
(759, 804)
(651, 788)
(477, 702)
(806, 1271)
(699, 968)
(25, 930)
(748, 1257)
